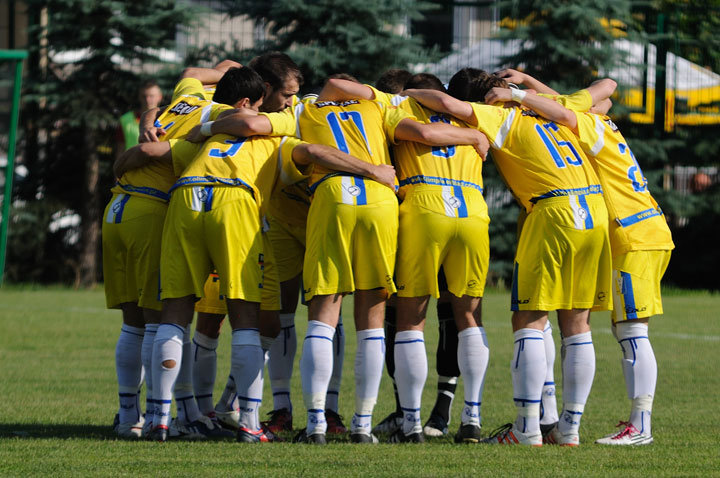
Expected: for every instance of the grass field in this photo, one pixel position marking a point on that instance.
(58, 395)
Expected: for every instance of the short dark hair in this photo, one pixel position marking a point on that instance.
(274, 68)
(393, 81)
(147, 84)
(239, 83)
(424, 81)
(472, 84)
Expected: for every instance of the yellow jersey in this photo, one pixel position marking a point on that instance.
(188, 108)
(636, 220)
(537, 158)
(254, 163)
(361, 128)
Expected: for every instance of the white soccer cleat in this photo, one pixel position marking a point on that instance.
(628, 436)
(130, 430)
(554, 437)
(229, 419)
(509, 435)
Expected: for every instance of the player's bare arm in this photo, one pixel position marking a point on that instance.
(209, 76)
(443, 103)
(333, 158)
(441, 134)
(239, 122)
(148, 131)
(545, 107)
(601, 89)
(519, 78)
(140, 155)
(337, 89)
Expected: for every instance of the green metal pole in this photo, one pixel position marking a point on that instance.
(18, 57)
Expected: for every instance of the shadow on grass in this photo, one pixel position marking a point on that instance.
(39, 430)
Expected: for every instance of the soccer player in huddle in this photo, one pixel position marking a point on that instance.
(229, 178)
(131, 232)
(563, 258)
(351, 243)
(640, 241)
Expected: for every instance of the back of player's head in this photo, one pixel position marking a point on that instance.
(239, 83)
(275, 67)
(343, 76)
(393, 81)
(472, 84)
(424, 81)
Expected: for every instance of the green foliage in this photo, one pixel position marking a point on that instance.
(561, 42)
(359, 37)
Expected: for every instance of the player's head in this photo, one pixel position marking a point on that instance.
(240, 87)
(424, 81)
(149, 94)
(282, 79)
(472, 84)
(393, 81)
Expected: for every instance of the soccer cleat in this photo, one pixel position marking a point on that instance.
(201, 429)
(436, 426)
(314, 439)
(546, 428)
(359, 437)
(628, 436)
(130, 430)
(334, 421)
(390, 424)
(468, 433)
(229, 420)
(509, 435)
(280, 420)
(554, 437)
(412, 437)
(147, 426)
(264, 435)
(158, 433)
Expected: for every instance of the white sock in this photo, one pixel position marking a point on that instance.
(247, 368)
(128, 365)
(369, 362)
(146, 356)
(548, 406)
(640, 371)
(228, 399)
(528, 374)
(411, 371)
(333, 393)
(204, 370)
(578, 373)
(473, 355)
(168, 345)
(280, 364)
(187, 407)
(316, 365)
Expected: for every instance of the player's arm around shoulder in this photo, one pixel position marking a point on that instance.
(441, 134)
(239, 122)
(545, 107)
(148, 131)
(306, 153)
(140, 155)
(337, 89)
(443, 103)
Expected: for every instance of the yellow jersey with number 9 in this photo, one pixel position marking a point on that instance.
(537, 158)
(361, 128)
(636, 221)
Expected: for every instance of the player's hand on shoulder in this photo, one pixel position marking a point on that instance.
(195, 135)
(498, 95)
(151, 135)
(385, 175)
(482, 145)
(510, 75)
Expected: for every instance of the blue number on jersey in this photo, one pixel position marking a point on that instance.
(634, 170)
(356, 118)
(236, 144)
(446, 152)
(548, 128)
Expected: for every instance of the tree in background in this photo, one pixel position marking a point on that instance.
(360, 37)
(85, 65)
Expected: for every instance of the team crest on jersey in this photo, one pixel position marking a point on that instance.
(183, 108)
(530, 113)
(322, 104)
(612, 125)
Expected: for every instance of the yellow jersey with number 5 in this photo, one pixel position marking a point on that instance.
(537, 158)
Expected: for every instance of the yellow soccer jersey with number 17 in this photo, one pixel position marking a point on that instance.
(537, 158)
(252, 163)
(636, 221)
(361, 128)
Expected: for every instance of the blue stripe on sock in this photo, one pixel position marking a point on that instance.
(409, 409)
(248, 399)
(181, 329)
(318, 337)
(409, 341)
(375, 338)
(473, 404)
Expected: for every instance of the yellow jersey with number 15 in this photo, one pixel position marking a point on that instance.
(537, 158)
(636, 221)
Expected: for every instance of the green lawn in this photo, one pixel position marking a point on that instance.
(58, 396)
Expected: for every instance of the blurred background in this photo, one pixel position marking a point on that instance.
(87, 63)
